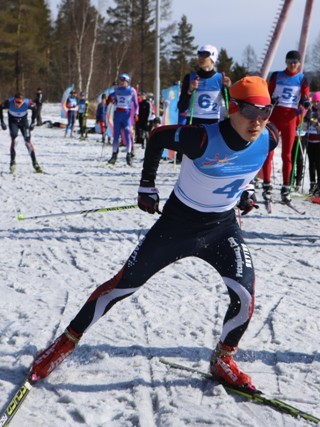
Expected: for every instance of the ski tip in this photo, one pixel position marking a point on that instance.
(20, 217)
(253, 389)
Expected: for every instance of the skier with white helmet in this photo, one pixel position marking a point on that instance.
(205, 105)
(202, 91)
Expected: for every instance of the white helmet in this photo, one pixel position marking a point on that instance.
(211, 50)
(125, 77)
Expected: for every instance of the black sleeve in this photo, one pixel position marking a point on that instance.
(273, 136)
(188, 140)
(32, 106)
(34, 115)
(184, 99)
(3, 106)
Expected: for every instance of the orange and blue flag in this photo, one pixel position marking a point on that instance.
(170, 97)
(170, 115)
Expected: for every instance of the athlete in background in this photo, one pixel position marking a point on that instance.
(18, 107)
(203, 92)
(126, 104)
(289, 89)
(208, 86)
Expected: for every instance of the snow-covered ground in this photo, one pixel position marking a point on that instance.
(114, 378)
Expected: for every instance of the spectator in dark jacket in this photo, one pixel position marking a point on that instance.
(39, 101)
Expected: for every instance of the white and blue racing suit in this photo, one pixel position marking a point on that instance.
(198, 220)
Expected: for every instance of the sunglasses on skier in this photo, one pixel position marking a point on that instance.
(203, 54)
(252, 111)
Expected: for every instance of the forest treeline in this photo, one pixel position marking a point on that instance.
(89, 48)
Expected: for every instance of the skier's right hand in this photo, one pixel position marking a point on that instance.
(3, 126)
(194, 84)
(148, 197)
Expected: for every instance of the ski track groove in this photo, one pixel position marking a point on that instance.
(149, 397)
(62, 311)
(270, 323)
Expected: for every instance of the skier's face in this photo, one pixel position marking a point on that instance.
(18, 102)
(248, 129)
(204, 61)
(292, 65)
(123, 82)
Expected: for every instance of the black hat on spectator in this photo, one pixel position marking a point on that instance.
(293, 55)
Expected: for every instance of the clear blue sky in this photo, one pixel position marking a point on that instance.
(235, 24)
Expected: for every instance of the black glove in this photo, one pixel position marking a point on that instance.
(247, 201)
(3, 126)
(148, 198)
(32, 126)
(306, 104)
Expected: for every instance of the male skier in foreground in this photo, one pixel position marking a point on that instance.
(219, 162)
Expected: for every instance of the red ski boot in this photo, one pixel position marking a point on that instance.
(225, 369)
(51, 357)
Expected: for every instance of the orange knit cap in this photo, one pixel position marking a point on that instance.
(252, 89)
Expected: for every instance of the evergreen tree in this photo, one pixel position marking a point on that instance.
(224, 63)
(25, 42)
(183, 49)
(238, 72)
(167, 74)
(131, 38)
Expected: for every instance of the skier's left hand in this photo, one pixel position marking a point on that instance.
(226, 81)
(247, 202)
